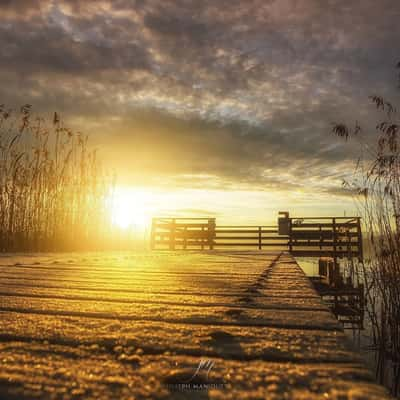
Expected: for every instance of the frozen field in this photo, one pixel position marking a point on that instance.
(209, 325)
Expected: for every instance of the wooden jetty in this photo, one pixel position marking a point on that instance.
(327, 238)
(171, 325)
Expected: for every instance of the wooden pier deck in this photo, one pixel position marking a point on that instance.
(171, 325)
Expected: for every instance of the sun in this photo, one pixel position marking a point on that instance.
(130, 209)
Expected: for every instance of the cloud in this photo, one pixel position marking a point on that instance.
(242, 93)
(12, 10)
(165, 150)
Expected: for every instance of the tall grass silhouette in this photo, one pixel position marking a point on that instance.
(377, 182)
(53, 193)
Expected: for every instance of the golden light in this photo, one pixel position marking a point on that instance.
(130, 209)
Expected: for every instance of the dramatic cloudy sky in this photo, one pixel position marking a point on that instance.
(226, 101)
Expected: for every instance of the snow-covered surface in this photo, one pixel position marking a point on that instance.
(126, 326)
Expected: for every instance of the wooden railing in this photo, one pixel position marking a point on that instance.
(259, 237)
(326, 236)
(182, 233)
(306, 237)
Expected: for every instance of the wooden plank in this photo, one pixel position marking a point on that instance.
(326, 235)
(233, 244)
(182, 218)
(178, 223)
(324, 225)
(183, 234)
(257, 238)
(323, 253)
(250, 226)
(346, 219)
(254, 316)
(255, 230)
(318, 243)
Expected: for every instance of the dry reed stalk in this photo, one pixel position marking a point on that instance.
(378, 188)
(53, 194)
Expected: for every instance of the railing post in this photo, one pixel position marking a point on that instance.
(290, 236)
(211, 233)
(360, 242)
(336, 265)
(185, 238)
(349, 243)
(172, 235)
(259, 238)
(321, 237)
(153, 233)
(361, 302)
(334, 237)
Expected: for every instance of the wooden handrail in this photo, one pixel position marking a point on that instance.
(322, 236)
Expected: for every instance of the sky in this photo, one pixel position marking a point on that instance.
(209, 107)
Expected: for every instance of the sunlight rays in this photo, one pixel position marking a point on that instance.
(131, 209)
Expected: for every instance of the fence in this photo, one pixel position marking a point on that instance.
(303, 237)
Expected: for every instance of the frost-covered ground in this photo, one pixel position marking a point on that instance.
(209, 325)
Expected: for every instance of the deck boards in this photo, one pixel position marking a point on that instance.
(137, 325)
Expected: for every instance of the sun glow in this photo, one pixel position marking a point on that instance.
(130, 209)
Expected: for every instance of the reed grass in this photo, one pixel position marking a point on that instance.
(54, 195)
(377, 183)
